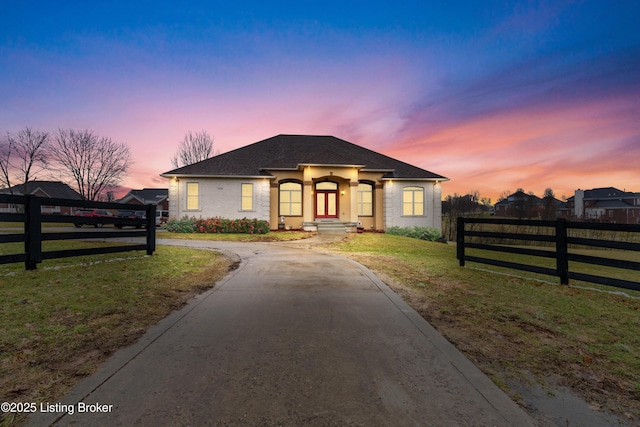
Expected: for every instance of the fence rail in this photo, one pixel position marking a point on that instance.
(33, 217)
(560, 239)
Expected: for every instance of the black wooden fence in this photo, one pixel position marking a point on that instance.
(31, 215)
(559, 238)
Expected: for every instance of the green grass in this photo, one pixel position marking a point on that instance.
(577, 267)
(512, 327)
(58, 323)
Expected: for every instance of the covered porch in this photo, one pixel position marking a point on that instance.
(327, 198)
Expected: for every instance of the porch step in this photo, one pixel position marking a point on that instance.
(332, 227)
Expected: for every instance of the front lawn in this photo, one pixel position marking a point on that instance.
(517, 329)
(60, 322)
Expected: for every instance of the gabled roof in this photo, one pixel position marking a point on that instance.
(147, 195)
(51, 189)
(290, 152)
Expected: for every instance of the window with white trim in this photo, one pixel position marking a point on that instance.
(246, 197)
(413, 201)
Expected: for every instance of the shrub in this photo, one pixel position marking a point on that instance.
(182, 225)
(222, 225)
(217, 225)
(423, 233)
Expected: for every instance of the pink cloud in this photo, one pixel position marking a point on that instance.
(564, 147)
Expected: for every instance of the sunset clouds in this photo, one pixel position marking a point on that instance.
(530, 95)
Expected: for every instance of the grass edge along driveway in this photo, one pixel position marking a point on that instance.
(514, 329)
(59, 323)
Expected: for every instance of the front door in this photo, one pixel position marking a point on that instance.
(327, 200)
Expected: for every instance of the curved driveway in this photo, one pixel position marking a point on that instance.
(293, 337)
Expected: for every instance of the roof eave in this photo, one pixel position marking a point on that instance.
(331, 165)
(177, 175)
(399, 178)
(365, 169)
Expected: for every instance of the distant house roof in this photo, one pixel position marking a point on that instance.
(610, 204)
(52, 189)
(520, 196)
(606, 193)
(290, 152)
(146, 195)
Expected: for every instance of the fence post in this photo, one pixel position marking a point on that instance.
(562, 263)
(151, 229)
(32, 232)
(460, 240)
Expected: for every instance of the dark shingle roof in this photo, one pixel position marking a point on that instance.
(606, 193)
(611, 204)
(290, 151)
(148, 195)
(53, 189)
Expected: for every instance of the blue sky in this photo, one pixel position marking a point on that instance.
(494, 95)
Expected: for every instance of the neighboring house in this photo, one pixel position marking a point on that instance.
(606, 204)
(147, 196)
(523, 205)
(50, 189)
(308, 182)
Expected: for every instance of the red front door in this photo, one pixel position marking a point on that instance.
(326, 204)
(326, 199)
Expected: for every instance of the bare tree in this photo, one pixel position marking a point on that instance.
(93, 163)
(5, 156)
(548, 204)
(23, 156)
(520, 199)
(486, 203)
(504, 195)
(458, 205)
(195, 147)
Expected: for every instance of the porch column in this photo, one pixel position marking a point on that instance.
(353, 196)
(378, 204)
(274, 207)
(307, 202)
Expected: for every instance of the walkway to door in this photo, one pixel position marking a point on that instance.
(293, 337)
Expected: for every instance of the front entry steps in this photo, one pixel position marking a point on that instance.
(333, 226)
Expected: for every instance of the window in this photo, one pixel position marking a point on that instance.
(247, 197)
(327, 185)
(192, 196)
(365, 199)
(413, 201)
(291, 199)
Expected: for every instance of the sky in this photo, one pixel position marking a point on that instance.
(494, 95)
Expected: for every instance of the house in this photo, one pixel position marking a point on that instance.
(50, 189)
(520, 205)
(523, 205)
(607, 204)
(308, 182)
(146, 196)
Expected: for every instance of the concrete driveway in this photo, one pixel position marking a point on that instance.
(293, 337)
